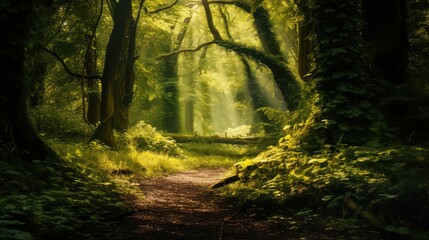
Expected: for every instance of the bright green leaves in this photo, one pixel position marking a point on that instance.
(387, 178)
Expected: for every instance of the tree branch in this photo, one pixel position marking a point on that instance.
(238, 4)
(186, 50)
(213, 30)
(66, 68)
(161, 9)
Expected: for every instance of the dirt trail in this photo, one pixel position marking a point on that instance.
(182, 206)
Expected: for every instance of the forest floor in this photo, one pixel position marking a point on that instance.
(182, 206)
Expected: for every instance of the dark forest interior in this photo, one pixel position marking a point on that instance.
(214, 119)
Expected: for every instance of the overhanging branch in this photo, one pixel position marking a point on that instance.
(186, 50)
(161, 9)
(66, 68)
(238, 4)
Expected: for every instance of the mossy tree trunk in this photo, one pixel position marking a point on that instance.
(272, 57)
(257, 99)
(347, 99)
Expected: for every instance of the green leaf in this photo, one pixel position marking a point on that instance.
(317, 160)
(398, 230)
(327, 198)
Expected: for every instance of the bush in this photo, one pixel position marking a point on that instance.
(145, 137)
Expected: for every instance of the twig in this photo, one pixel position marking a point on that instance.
(369, 216)
(239, 210)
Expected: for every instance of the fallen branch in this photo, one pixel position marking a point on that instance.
(213, 139)
(226, 181)
(367, 215)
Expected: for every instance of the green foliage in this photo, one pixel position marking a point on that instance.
(389, 182)
(145, 137)
(53, 199)
(278, 118)
(347, 94)
(60, 123)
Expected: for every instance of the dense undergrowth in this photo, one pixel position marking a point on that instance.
(380, 188)
(53, 198)
(71, 197)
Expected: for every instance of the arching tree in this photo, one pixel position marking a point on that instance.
(290, 88)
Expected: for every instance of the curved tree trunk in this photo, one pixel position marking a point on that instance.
(112, 74)
(257, 99)
(288, 85)
(265, 32)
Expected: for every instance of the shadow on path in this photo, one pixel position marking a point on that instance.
(182, 206)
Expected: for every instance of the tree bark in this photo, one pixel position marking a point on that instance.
(288, 85)
(93, 111)
(111, 73)
(303, 50)
(171, 101)
(14, 92)
(265, 32)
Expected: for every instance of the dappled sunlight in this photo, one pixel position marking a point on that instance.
(232, 119)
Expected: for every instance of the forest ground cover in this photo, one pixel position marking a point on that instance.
(285, 192)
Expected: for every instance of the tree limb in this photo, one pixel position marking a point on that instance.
(213, 30)
(161, 9)
(238, 4)
(66, 68)
(186, 50)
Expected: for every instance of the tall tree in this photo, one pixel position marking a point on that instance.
(347, 99)
(290, 88)
(170, 72)
(90, 64)
(112, 75)
(385, 31)
(14, 23)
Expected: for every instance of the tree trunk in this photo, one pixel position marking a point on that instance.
(14, 91)
(385, 31)
(272, 57)
(257, 99)
(93, 112)
(266, 35)
(303, 50)
(347, 94)
(171, 101)
(189, 116)
(112, 73)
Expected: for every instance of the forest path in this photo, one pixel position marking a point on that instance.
(182, 206)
